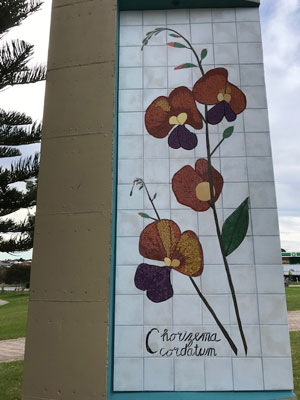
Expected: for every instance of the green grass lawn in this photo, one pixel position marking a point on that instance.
(11, 380)
(13, 316)
(293, 298)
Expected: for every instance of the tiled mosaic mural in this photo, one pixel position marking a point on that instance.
(177, 311)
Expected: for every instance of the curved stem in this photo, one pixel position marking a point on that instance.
(151, 201)
(220, 325)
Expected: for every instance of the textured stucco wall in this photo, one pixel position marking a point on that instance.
(66, 349)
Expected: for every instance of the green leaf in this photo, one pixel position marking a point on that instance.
(235, 228)
(173, 35)
(186, 65)
(228, 132)
(203, 54)
(131, 191)
(143, 215)
(177, 44)
(141, 187)
(154, 197)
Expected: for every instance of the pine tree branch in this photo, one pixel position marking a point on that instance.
(13, 199)
(13, 12)
(34, 74)
(9, 152)
(16, 136)
(18, 243)
(24, 169)
(14, 118)
(11, 226)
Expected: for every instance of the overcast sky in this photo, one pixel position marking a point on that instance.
(280, 22)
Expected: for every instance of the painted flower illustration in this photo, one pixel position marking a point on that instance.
(177, 110)
(213, 88)
(163, 241)
(191, 186)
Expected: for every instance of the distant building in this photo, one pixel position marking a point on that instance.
(291, 265)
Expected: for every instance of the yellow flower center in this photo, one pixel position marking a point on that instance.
(224, 94)
(203, 191)
(179, 120)
(172, 263)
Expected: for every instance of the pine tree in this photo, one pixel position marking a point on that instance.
(17, 129)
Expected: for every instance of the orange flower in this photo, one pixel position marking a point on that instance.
(191, 186)
(214, 89)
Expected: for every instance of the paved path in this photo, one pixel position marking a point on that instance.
(294, 320)
(12, 350)
(2, 302)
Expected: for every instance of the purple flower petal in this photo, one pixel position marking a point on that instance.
(188, 140)
(229, 113)
(173, 139)
(155, 280)
(216, 113)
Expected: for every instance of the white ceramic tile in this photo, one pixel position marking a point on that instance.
(128, 374)
(234, 193)
(130, 57)
(226, 53)
(128, 170)
(233, 73)
(127, 202)
(200, 15)
(256, 96)
(155, 77)
(162, 199)
(243, 254)
(206, 222)
(262, 195)
(129, 309)
(256, 120)
(130, 123)
(250, 53)
(272, 309)
(183, 29)
(211, 250)
(248, 32)
(221, 368)
(223, 15)
(130, 100)
(182, 77)
(252, 335)
(224, 32)
(244, 279)
(178, 56)
(181, 16)
(275, 341)
(159, 39)
(247, 374)
(209, 59)
(252, 74)
(130, 78)
(185, 219)
(128, 341)
(155, 56)
(182, 153)
(189, 375)
(150, 95)
(177, 164)
(158, 374)
(258, 144)
(237, 124)
(154, 17)
(183, 285)
(129, 223)
(200, 150)
(157, 313)
(248, 309)
(265, 221)
(247, 14)
(201, 33)
(234, 146)
(270, 279)
(128, 251)
(221, 346)
(220, 305)
(214, 280)
(130, 147)
(131, 35)
(125, 280)
(278, 374)
(234, 169)
(260, 169)
(131, 18)
(267, 250)
(156, 172)
(186, 309)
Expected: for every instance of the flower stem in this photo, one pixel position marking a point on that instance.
(217, 146)
(151, 201)
(225, 333)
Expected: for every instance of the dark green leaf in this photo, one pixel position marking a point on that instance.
(177, 44)
(141, 187)
(131, 191)
(228, 132)
(203, 54)
(235, 228)
(154, 197)
(186, 65)
(173, 35)
(143, 215)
